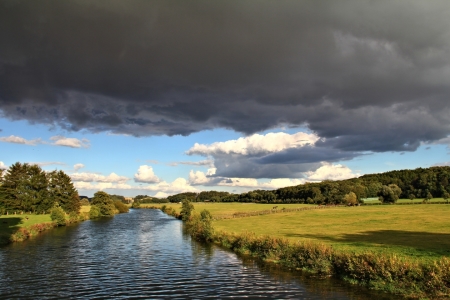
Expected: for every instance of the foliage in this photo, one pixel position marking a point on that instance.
(350, 199)
(58, 216)
(84, 202)
(183, 196)
(120, 206)
(27, 188)
(389, 194)
(62, 191)
(200, 226)
(94, 212)
(104, 203)
(136, 204)
(401, 184)
(186, 210)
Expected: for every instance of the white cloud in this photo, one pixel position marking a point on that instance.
(331, 172)
(161, 195)
(19, 140)
(69, 142)
(281, 182)
(2, 166)
(82, 185)
(179, 185)
(198, 178)
(76, 167)
(93, 177)
(145, 174)
(47, 163)
(256, 144)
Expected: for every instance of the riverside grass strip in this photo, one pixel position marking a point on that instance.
(399, 274)
(388, 273)
(380, 271)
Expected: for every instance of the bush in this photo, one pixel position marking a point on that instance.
(85, 202)
(104, 203)
(121, 207)
(58, 216)
(186, 210)
(94, 212)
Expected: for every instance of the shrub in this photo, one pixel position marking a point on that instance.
(84, 202)
(94, 212)
(121, 207)
(58, 216)
(186, 210)
(104, 203)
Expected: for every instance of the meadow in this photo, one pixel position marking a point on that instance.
(10, 224)
(420, 232)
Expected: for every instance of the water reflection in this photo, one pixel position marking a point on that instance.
(144, 254)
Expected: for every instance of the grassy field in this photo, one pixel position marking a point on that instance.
(228, 209)
(11, 223)
(418, 231)
(409, 201)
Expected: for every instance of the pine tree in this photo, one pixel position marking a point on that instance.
(63, 192)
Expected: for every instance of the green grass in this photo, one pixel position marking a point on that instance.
(11, 223)
(416, 231)
(409, 201)
(228, 209)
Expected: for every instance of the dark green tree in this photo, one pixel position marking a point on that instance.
(104, 204)
(62, 191)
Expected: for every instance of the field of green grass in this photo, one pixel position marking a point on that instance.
(11, 223)
(409, 201)
(228, 209)
(418, 231)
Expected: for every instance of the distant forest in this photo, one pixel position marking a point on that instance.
(423, 183)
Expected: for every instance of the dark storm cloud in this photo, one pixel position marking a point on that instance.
(365, 75)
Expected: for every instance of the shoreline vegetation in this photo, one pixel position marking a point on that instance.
(413, 274)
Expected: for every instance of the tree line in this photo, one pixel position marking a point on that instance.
(421, 183)
(28, 188)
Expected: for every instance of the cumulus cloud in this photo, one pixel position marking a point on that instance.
(145, 174)
(365, 75)
(94, 177)
(20, 140)
(82, 185)
(76, 167)
(2, 166)
(69, 142)
(200, 178)
(179, 185)
(331, 172)
(256, 144)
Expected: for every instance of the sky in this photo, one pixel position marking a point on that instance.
(162, 97)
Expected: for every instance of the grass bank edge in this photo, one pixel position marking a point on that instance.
(389, 273)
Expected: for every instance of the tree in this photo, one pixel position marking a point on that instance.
(186, 210)
(446, 196)
(58, 216)
(62, 191)
(104, 204)
(389, 194)
(350, 199)
(120, 206)
(24, 188)
(428, 197)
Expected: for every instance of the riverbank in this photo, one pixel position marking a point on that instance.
(19, 227)
(396, 249)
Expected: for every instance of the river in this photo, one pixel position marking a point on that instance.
(145, 255)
